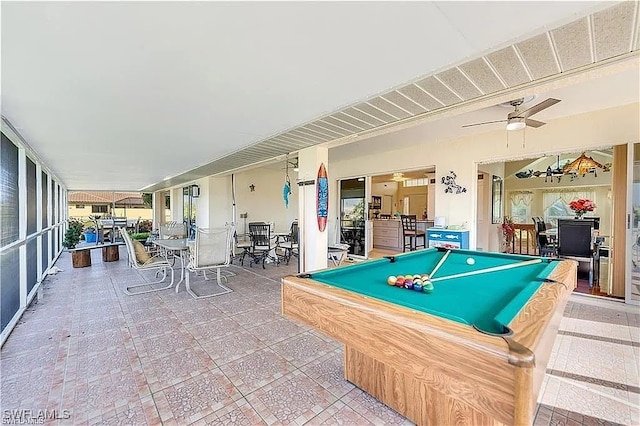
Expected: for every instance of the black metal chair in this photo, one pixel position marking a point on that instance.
(546, 246)
(576, 241)
(410, 231)
(260, 235)
(290, 245)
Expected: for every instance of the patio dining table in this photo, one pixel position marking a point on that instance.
(178, 248)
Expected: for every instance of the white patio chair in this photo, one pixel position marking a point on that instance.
(141, 260)
(212, 250)
(173, 229)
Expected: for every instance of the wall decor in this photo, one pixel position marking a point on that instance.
(451, 186)
(496, 199)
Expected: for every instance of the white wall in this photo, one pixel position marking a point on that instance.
(266, 203)
(412, 148)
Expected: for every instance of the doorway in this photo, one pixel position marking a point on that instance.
(352, 215)
(546, 188)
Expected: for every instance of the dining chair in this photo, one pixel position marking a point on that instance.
(261, 243)
(410, 231)
(173, 229)
(546, 247)
(576, 241)
(211, 251)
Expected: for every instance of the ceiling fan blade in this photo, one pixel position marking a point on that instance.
(485, 122)
(537, 108)
(534, 123)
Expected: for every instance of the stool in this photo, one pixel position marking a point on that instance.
(110, 253)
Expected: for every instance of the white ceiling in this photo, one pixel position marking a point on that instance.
(121, 95)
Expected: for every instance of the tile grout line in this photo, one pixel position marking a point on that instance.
(599, 338)
(594, 381)
(595, 391)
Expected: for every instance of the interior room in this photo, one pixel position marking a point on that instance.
(546, 186)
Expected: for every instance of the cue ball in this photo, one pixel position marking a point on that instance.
(471, 261)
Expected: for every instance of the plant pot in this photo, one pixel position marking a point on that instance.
(90, 237)
(81, 258)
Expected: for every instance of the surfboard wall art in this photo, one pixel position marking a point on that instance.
(322, 186)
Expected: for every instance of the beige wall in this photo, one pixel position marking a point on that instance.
(129, 213)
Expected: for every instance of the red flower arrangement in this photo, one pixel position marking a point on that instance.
(508, 231)
(582, 206)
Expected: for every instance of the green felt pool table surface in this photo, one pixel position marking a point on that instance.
(488, 301)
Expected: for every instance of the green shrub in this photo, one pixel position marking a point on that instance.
(140, 236)
(72, 236)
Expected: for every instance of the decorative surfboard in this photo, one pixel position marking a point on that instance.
(322, 197)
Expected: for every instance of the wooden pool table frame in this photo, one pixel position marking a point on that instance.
(433, 370)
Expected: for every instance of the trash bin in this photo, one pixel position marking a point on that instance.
(90, 237)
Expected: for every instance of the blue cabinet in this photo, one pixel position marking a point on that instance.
(448, 238)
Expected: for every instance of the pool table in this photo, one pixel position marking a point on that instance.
(473, 351)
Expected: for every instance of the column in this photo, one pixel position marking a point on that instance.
(313, 242)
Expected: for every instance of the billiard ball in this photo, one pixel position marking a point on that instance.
(408, 277)
(425, 277)
(408, 285)
(417, 277)
(417, 287)
(470, 261)
(391, 280)
(399, 279)
(428, 287)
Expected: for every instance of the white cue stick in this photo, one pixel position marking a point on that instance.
(440, 263)
(486, 270)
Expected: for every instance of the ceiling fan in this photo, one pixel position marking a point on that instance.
(517, 119)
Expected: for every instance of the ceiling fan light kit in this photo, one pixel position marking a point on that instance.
(516, 124)
(518, 120)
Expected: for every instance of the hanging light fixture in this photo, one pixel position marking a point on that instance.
(582, 166)
(399, 177)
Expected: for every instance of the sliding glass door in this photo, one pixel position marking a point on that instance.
(633, 292)
(352, 215)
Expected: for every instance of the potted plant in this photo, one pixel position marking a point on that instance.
(72, 236)
(79, 258)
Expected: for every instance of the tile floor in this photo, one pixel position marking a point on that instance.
(96, 356)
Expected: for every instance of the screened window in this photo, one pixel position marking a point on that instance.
(45, 201)
(99, 208)
(9, 198)
(32, 207)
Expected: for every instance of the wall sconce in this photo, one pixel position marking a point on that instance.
(252, 187)
(195, 191)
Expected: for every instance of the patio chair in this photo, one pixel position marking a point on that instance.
(140, 260)
(212, 251)
(173, 229)
(290, 245)
(260, 234)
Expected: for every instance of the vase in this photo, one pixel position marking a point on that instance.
(579, 215)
